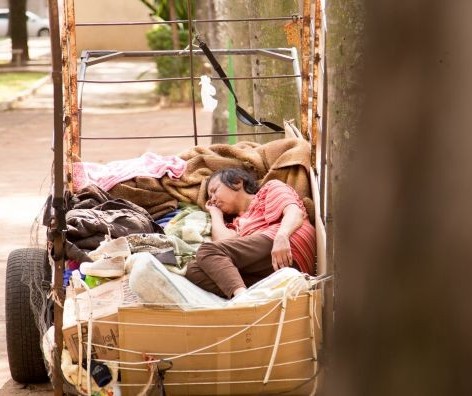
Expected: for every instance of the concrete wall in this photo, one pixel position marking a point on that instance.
(112, 37)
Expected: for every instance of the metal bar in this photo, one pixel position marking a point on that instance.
(75, 146)
(80, 80)
(305, 67)
(80, 86)
(193, 21)
(192, 76)
(317, 69)
(104, 58)
(271, 54)
(58, 223)
(178, 136)
(184, 52)
(296, 70)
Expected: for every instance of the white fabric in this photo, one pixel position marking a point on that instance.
(286, 281)
(155, 284)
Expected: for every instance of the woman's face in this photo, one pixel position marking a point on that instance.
(223, 197)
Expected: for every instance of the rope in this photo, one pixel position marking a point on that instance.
(313, 337)
(277, 340)
(169, 355)
(305, 380)
(197, 326)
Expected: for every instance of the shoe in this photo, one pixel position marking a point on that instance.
(111, 248)
(107, 267)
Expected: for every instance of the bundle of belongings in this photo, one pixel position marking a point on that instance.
(133, 225)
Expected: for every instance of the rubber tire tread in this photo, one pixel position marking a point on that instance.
(23, 339)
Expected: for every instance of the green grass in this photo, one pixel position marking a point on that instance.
(12, 83)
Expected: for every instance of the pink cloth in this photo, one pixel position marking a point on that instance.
(108, 175)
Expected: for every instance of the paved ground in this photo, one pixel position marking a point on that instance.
(25, 149)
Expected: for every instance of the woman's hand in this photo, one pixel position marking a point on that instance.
(213, 210)
(281, 252)
(218, 227)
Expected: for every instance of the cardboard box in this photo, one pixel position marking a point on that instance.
(224, 351)
(103, 335)
(101, 303)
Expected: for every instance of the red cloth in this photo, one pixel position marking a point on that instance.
(264, 215)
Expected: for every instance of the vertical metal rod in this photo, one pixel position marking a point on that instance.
(296, 71)
(59, 215)
(306, 44)
(75, 142)
(192, 77)
(84, 57)
(317, 107)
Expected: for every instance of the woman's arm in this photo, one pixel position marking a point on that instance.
(218, 226)
(292, 219)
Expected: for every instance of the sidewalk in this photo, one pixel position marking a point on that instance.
(97, 97)
(104, 97)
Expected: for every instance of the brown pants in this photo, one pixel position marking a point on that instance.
(223, 266)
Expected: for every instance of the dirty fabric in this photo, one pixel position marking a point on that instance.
(108, 175)
(191, 224)
(86, 228)
(168, 249)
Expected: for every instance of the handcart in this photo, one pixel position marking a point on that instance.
(267, 346)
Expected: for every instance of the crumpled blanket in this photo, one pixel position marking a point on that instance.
(86, 228)
(170, 250)
(148, 193)
(191, 224)
(107, 175)
(285, 159)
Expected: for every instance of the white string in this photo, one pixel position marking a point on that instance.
(224, 382)
(277, 340)
(170, 355)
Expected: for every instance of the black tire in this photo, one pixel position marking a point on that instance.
(23, 339)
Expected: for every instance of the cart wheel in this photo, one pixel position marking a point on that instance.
(23, 339)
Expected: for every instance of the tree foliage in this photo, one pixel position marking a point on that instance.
(162, 8)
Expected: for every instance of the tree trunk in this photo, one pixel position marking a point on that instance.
(18, 30)
(274, 100)
(270, 100)
(173, 26)
(213, 34)
(402, 232)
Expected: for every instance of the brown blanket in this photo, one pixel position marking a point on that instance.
(284, 159)
(148, 193)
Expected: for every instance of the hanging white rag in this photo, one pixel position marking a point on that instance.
(208, 91)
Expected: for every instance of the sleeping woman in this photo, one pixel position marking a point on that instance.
(269, 230)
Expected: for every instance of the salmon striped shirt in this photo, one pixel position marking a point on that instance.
(264, 215)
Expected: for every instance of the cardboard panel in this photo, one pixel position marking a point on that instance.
(103, 334)
(228, 349)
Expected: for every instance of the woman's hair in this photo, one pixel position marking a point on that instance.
(230, 177)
